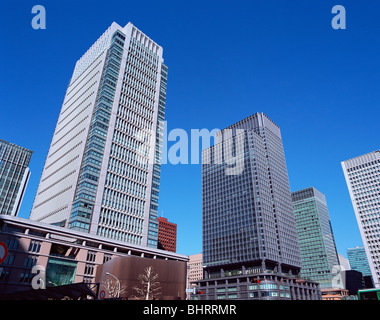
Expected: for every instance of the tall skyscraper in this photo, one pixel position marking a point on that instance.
(14, 176)
(362, 177)
(319, 256)
(248, 213)
(102, 171)
(249, 229)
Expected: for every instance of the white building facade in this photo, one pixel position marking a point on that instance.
(363, 180)
(102, 171)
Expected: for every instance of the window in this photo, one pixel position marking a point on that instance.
(34, 246)
(254, 294)
(253, 287)
(89, 269)
(12, 243)
(9, 259)
(26, 277)
(91, 255)
(4, 275)
(107, 257)
(30, 262)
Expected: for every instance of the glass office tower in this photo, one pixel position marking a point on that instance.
(319, 256)
(250, 244)
(358, 260)
(102, 171)
(14, 176)
(362, 177)
(247, 206)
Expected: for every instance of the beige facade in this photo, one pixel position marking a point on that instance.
(195, 268)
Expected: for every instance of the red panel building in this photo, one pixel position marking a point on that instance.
(167, 235)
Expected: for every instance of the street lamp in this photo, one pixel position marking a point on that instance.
(118, 282)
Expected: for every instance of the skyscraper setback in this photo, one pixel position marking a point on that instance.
(362, 177)
(102, 171)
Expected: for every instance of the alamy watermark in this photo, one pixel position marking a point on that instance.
(39, 280)
(228, 151)
(39, 20)
(339, 20)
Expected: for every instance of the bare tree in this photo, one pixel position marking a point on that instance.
(112, 288)
(150, 286)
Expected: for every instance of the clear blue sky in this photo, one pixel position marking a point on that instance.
(227, 60)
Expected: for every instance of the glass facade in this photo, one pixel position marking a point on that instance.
(230, 226)
(81, 213)
(14, 175)
(358, 260)
(126, 191)
(248, 216)
(60, 272)
(317, 245)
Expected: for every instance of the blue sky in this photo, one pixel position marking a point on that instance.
(227, 60)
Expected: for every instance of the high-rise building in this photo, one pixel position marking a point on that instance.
(249, 231)
(14, 176)
(358, 260)
(102, 171)
(167, 235)
(248, 213)
(362, 177)
(319, 256)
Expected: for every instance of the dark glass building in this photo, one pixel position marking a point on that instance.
(353, 281)
(249, 231)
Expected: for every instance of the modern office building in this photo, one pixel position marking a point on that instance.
(69, 256)
(167, 235)
(362, 177)
(102, 171)
(319, 256)
(249, 231)
(358, 260)
(14, 176)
